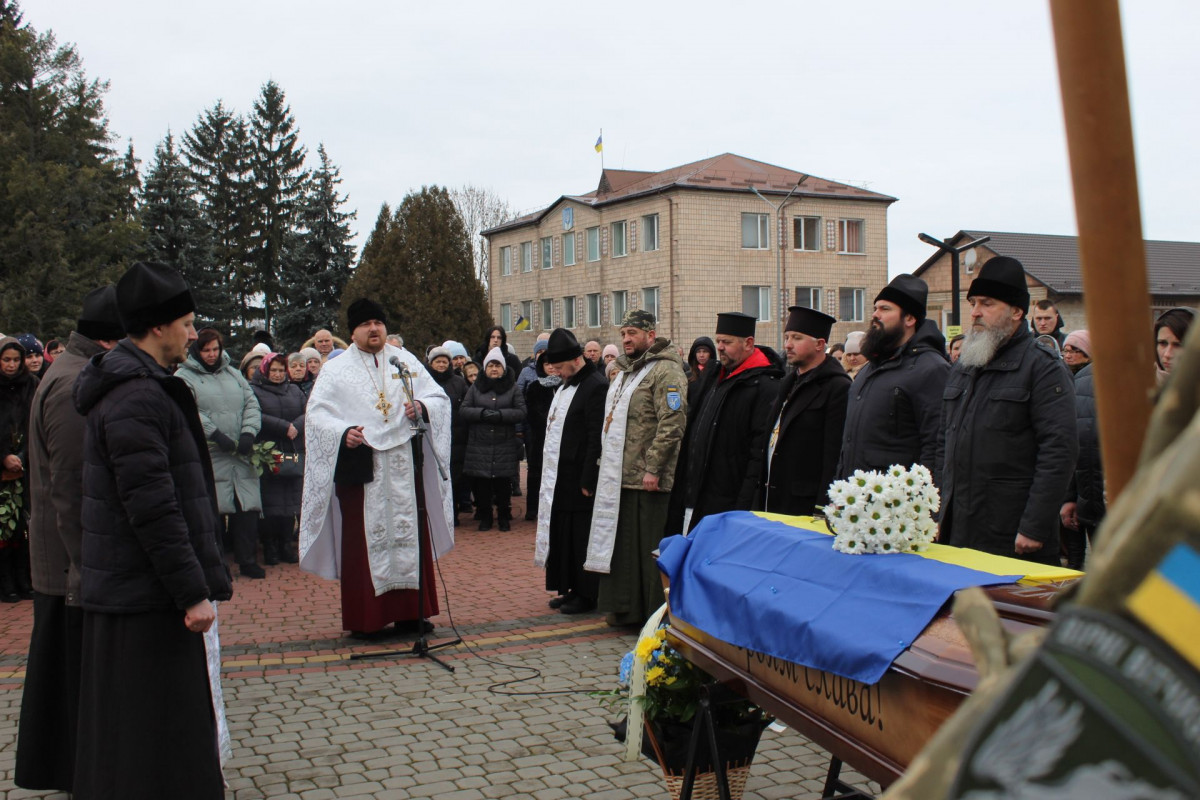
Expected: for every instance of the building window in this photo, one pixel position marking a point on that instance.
(756, 234)
(756, 301)
(809, 297)
(568, 320)
(649, 233)
(506, 316)
(506, 261)
(547, 314)
(850, 236)
(620, 241)
(568, 248)
(526, 256)
(593, 310)
(593, 244)
(620, 303)
(850, 304)
(547, 252)
(806, 233)
(650, 300)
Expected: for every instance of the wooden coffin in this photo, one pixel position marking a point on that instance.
(875, 729)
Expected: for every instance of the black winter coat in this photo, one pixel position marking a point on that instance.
(1007, 449)
(493, 449)
(579, 448)
(1089, 468)
(16, 399)
(150, 517)
(813, 408)
(538, 397)
(282, 405)
(455, 386)
(727, 441)
(894, 406)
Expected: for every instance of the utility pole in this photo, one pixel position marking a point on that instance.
(954, 252)
(780, 237)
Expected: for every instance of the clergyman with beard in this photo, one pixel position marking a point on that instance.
(895, 401)
(1008, 445)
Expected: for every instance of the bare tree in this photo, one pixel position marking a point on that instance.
(480, 210)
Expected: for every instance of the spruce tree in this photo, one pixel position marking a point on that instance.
(418, 266)
(277, 188)
(217, 153)
(65, 226)
(176, 234)
(324, 258)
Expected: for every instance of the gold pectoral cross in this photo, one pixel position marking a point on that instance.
(384, 406)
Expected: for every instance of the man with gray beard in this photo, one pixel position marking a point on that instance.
(1007, 445)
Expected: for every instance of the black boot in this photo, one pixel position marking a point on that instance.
(8, 583)
(270, 546)
(485, 520)
(505, 518)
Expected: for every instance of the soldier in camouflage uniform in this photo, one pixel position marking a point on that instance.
(645, 416)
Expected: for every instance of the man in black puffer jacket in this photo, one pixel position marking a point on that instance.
(150, 561)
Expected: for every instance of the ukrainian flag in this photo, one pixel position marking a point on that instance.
(1168, 601)
(600, 143)
(522, 324)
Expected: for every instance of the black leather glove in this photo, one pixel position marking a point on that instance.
(491, 415)
(245, 442)
(222, 441)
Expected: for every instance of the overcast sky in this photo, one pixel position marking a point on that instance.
(952, 106)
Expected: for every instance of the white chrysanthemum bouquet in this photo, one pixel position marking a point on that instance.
(883, 512)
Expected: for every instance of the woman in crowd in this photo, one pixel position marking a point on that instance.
(837, 350)
(1085, 506)
(456, 387)
(853, 359)
(231, 418)
(539, 394)
(609, 355)
(249, 365)
(297, 372)
(35, 355)
(54, 348)
(1170, 329)
(282, 407)
(312, 360)
(496, 337)
(470, 372)
(17, 386)
(703, 364)
(955, 347)
(493, 408)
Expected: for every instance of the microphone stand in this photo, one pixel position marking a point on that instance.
(421, 647)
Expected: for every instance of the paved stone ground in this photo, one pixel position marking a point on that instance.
(310, 722)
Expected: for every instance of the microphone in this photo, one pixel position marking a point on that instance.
(398, 364)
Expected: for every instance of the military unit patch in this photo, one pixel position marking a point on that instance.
(674, 399)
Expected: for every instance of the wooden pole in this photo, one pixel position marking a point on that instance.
(1091, 66)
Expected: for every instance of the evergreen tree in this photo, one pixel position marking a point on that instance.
(65, 225)
(176, 234)
(277, 189)
(418, 266)
(217, 153)
(324, 258)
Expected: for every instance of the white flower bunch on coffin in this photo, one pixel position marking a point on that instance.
(883, 512)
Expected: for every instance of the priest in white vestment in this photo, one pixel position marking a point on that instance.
(358, 519)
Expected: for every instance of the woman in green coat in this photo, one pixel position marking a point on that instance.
(231, 417)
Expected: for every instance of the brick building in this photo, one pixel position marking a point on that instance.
(1052, 271)
(687, 243)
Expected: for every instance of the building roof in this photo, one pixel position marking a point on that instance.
(727, 172)
(1172, 268)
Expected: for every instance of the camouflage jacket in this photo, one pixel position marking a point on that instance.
(657, 416)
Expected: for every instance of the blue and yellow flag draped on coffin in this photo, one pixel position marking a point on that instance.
(775, 585)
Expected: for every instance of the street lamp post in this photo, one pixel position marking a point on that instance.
(955, 252)
(779, 237)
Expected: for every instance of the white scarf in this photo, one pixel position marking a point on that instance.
(554, 430)
(603, 535)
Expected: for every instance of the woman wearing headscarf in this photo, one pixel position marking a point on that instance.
(231, 418)
(493, 407)
(496, 337)
(282, 406)
(17, 386)
(539, 394)
(853, 358)
(702, 365)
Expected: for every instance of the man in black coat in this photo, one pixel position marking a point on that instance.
(151, 566)
(1008, 445)
(807, 419)
(571, 469)
(50, 703)
(895, 401)
(726, 444)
